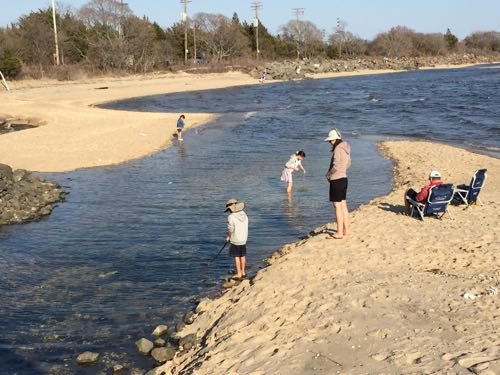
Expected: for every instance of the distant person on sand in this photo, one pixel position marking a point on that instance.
(293, 164)
(434, 179)
(337, 177)
(263, 77)
(180, 126)
(237, 234)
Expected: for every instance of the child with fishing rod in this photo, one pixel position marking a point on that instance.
(237, 234)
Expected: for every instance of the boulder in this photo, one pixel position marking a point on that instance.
(160, 330)
(162, 355)
(118, 369)
(159, 342)
(87, 358)
(144, 346)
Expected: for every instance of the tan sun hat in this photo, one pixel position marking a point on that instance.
(333, 135)
(434, 174)
(229, 203)
(236, 207)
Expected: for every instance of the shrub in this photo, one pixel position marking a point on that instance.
(10, 66)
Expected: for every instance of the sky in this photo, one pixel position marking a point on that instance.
(365, 18)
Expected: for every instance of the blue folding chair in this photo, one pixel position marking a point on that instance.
(470, 194)
(437, 202)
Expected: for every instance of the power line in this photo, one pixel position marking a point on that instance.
(256, 6)
(185, 20)
(297, 12)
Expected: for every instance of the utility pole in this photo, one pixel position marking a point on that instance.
(297, 12)
(120, 24)
(185, 20)
(194, 43)
(256, 5)
(340, 33)
(55, 31)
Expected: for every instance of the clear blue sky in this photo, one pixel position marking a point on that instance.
(366, 18)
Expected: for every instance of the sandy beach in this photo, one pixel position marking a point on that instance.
(74, 134)
(389, 299)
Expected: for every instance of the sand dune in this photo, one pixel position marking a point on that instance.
(387, 300)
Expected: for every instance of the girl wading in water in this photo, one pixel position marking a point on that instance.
(180, 127)
(337, 177)
(294, 164)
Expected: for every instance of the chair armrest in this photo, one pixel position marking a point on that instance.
(414, 202)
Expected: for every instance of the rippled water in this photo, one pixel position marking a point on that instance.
(132, 245)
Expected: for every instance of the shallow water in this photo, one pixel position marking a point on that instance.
(132, 245)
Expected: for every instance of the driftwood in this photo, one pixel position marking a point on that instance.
(4, 82)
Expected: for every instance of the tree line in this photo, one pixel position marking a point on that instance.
(105, 36)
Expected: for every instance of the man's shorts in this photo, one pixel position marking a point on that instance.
(338, 190)
(238, 250)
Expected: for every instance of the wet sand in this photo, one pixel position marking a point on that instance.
(390, 298)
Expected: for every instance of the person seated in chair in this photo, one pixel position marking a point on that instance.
(434, 179)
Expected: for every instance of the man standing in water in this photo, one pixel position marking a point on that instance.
(337, 176)
(237, 233)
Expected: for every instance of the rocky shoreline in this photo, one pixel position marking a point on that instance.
(299, 69)
(25, 197)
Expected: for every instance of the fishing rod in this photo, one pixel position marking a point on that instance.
(220, 251)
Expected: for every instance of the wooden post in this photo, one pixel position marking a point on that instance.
(4, 82)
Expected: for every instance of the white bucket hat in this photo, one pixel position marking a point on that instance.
(333, 135)
(434, 174)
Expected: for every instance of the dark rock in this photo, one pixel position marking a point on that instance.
(24, 197)
(159, 342)
(144, 346)
(189, 317)
(162, 355)
(180, 326)
(87, 358)
(6, 178)
(187, 342)
(20, 174)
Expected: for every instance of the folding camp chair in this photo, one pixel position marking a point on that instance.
(470, 194)
(437, 202)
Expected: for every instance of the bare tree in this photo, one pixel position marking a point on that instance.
(220, 37)
(343, 42)
(306, 34)
(429, 44)
(146, 50)
(396, 42)
(485, 41)
(109, 13)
